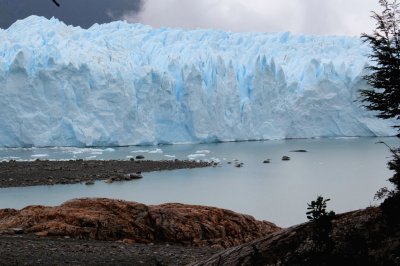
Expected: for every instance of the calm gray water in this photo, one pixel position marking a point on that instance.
(347, 170)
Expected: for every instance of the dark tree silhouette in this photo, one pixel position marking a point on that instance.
(384, 96)
(55, 2)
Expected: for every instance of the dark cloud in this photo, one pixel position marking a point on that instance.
(82, 13)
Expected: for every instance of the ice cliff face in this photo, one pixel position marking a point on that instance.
(123, 84)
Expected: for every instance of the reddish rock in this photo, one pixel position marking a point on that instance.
(106, 219)
(43, 233)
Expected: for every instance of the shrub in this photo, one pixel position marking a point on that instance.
(322, 222)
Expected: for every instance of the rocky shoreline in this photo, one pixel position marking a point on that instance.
(98, 231)
(45, 172)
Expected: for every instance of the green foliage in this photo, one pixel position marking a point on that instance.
(322, 229)
(391, 205)
(321, 218)
(317, 210)
(394, 165)
(384, 96)
(383, 193)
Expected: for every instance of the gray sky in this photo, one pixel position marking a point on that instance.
(342, 17)
(76, 12)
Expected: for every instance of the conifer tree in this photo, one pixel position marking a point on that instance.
(384, 96)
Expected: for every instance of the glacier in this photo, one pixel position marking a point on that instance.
(129, 84)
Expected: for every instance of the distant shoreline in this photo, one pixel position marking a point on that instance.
(45, 172)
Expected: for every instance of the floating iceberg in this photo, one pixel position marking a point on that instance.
(130, 84)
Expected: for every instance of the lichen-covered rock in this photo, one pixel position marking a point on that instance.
(106, 219)
(197, 225)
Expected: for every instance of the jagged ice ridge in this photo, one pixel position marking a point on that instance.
(129, 84)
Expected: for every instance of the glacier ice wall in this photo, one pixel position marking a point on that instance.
(126, 84)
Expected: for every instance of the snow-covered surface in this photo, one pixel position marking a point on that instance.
(128, 84)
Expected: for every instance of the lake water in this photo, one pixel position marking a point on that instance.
(347, 170)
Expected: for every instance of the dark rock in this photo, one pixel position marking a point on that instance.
(267, 161)
(298, 151)
(89, 182)
(124, 177)
(139, 157)
(238, 165)
(135, 175)
(17, 230)
(285, 158)
(361, 237)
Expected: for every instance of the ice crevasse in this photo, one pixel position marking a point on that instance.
(130, 84)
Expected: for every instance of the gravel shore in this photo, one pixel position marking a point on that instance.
(33, 250)
(44, 172)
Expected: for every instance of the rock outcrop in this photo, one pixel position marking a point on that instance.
(358, 238)
(106, 219)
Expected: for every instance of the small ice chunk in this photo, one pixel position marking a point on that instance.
(215, 160)
(94, 150)
(195, 156)
(202, 151)
(156, 151)
(139, 151)
(39, 155)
